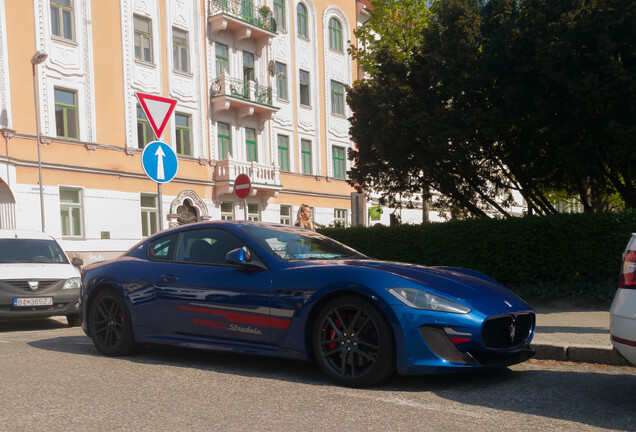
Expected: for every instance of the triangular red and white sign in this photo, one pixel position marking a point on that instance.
(158, 110)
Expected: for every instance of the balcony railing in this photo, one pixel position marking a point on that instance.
(265, 178)
(249, 91)
(245, 11)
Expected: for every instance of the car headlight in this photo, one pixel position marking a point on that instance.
(418, 299)
(73, 282)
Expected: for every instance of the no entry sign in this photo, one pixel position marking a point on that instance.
(242, 186)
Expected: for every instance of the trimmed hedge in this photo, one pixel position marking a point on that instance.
(546, 257)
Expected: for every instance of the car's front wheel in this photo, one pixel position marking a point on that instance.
(352, 343)
(109, 324)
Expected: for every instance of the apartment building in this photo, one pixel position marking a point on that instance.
(260, 90)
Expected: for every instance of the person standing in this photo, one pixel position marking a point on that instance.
(303, 219)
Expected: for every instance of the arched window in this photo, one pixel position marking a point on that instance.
(335, 35)
(301, 13)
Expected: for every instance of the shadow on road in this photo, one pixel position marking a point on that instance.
(27, 324)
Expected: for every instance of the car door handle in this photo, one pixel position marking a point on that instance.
(168, 278)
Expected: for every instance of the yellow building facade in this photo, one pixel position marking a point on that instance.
(259, 90)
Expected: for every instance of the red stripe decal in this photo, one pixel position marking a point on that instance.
(623, 341)
(237, 317)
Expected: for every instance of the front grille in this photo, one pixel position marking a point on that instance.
(23, 284)
(507, 331)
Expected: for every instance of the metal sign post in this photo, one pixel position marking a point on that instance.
(160, 164)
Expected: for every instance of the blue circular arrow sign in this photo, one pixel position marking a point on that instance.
(159, 162)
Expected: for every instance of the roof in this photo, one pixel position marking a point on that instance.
(23, 234)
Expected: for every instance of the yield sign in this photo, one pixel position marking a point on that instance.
(158, 110)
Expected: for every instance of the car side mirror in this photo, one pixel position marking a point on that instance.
(77, 262)
(241, 257)
(238, 256)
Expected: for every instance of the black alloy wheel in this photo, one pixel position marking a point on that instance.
(352, 342)
(110, 326)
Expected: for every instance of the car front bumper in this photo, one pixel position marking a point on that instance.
(65, 302)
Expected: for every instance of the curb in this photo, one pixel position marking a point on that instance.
(580, 354)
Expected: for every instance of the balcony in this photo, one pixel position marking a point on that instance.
(242, 19)
(265, 178)
(245, 98)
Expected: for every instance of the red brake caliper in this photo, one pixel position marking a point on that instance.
(332, 334)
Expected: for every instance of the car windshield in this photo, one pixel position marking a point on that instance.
(296, 244)
(31, 251)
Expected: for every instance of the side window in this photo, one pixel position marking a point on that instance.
(162, 248)
(206, 246)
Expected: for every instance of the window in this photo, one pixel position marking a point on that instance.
(248, 67)
(304, 87)
(246, 10)
(250, 143)
(281, 80)
(62, 18)
(335, 35)
(337, 98)
(66, 113)
(180, 56)
(338, 162)
(286, 214)
(279, 13)
(145, 133)
(149, 214)
(301, 13)
(71, 212)
(162, 248)
(227, 210)
(340, 217)
(305, 154)
(225, 140)
(143, 39)
(253, 212)
(222, 59)
(183, 128)
(283, 152)
(206, 246)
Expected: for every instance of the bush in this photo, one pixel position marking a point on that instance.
(556, 256)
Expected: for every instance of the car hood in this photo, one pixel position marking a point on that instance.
(452, 281)
(37, 271)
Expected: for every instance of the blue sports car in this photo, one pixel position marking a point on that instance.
(282, 291)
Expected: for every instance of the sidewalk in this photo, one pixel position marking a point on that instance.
(577, 335)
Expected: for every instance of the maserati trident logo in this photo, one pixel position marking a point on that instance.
(512, 329)
(33, 285)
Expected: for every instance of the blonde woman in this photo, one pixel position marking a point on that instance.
(303, 219)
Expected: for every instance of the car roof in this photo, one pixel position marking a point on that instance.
(23, 234)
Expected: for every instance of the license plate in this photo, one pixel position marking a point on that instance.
(33, 301)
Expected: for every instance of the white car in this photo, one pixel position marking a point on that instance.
(623, 309)
(36, 277)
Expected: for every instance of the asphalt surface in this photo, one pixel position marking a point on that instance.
(575, 334)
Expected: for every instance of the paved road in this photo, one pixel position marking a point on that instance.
(53, 379)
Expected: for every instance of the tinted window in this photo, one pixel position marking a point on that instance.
(162, 248)
(206, 246)
(31, 251)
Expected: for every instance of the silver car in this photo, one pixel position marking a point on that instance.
(623, 309)
(36, 277)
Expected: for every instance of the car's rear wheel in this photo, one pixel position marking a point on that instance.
(74, 320)
(352, 343)
(109, 324)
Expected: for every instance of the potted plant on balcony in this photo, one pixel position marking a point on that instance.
(265, 11)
